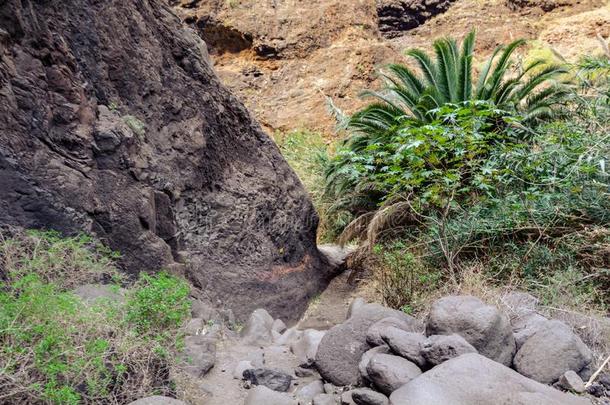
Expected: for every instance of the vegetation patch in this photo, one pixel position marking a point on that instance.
(56, 348)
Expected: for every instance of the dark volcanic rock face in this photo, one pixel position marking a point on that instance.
(397, 16)
(113, 122)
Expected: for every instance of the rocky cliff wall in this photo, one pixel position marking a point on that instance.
(113, 122)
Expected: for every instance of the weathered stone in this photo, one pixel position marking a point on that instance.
(398, 16)
(343, 345)
(304, 372)
(550, 352)
(194, 327)
(288, 337)
(374, 334)
(366, 396)
(389, 373)
(309, 391)
(526, 326)
(127, 134)
(439, 348)
(273, 379)
(306, 347)
(406, 344)
(475, 379)
(199, 355)
(346, 398)
(366, 357)
(158, 400)
(258, 328)
(278, 326)
(354, 306)
(483, 326)
(519, 303)
(571, 381)
(261, 395)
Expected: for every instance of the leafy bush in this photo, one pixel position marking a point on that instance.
(56, 349)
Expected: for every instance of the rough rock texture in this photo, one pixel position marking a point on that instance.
(483, 326)
(199, 355)
(306, 347)
(398, 16)
(388, 372)
(474, 379)
(273, 379)
(526, 326)
(258, 328)
(406, 344)
(571, 381)
(366, 396)
(550, 352)
(366, 357)
(113, 122)
(343, 345)
(374, 334)
(439, 348)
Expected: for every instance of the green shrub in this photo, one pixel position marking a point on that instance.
(56, 349)
(158, 302)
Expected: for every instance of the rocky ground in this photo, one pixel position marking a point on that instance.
(285, 58)
(463, 352)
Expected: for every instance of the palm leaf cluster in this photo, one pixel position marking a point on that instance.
(447, 77)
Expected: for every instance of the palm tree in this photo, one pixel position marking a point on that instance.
(414, 95)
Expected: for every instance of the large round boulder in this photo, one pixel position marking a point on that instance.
(550, 352)
(343, 345)
(483, 326)
(475, 379)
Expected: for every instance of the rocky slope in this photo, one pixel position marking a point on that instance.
(113, 122)
(283, 58)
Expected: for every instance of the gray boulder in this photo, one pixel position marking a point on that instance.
(158, 400)
(273, 379)
(366, 396)
(309, 391)
(324, 399)
(388, 373)
(519, 303)
(373, 335)
(526, 326)
(278, 326)
(199, 355)
(406, 344)
(475, 379)
(288, 337)
(264, 396)
(346, 398)
(258, 328)
(366, 357)
(550, 352)
(438, 349)
(483, 326)
(570, 381)
(306, 347)
(343, 345)
(356, 304)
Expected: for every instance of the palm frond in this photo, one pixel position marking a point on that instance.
(465, 67)
(425, 64)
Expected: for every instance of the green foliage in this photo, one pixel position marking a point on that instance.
(56, 349)
(158, 302)
(446, 78)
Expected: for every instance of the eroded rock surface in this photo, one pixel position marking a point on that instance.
(112, 122)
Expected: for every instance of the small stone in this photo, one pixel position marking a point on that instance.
(331, 389)
(288, 337)
(375, 332)
(356, 304)
(346, 398)
(366, 396)
(273, 379)
(199, 355)
(309, 391)
(306, 347)
(303, 372)
(571, 381)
